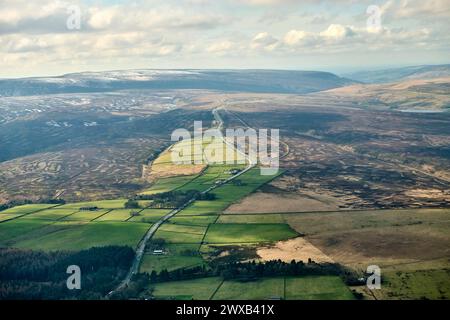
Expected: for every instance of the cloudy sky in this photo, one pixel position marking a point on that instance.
(51, 37)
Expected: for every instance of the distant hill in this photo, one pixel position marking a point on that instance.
(399, 74)
(270, 81)
(407, 95)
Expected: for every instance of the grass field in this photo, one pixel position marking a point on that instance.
(317, 288)
(251, 218)
(169, 262)
(291, 288)
(78, 236)
(418, 284)
(199, 289)
(116, 215)
(203, 220)
(168, 184)
(84, 215)
(9, 230)
(242, 233)
(177, 233)
(8, 216)
(27, 208)
(102, 204)
(149, 215)
(178, 237)
(51, 214)
(210, 176)
(251, 290)
(204, 207)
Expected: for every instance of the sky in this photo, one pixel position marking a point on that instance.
(53, 37)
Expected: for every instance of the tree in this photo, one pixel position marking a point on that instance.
(132, 204)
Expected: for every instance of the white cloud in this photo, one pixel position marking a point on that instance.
(294, 37)
(220, 47)
(264, 40)
(337, 32)
(34, 33)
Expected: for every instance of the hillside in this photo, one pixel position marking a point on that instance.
(400, 74)
(271, 81)
(407, 95)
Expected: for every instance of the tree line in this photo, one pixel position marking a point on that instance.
(15, 203)
(28, 274)
(170, 199)
(249, 271)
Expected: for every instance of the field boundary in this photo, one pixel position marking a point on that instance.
(28, 213)
(217, 289)
(107, 211)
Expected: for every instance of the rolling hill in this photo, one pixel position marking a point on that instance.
(400, 74)
(271, 81)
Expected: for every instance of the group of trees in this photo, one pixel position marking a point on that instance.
(27, 274)
(172, 199)
(132, 204)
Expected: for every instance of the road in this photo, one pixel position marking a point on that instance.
(142, 244)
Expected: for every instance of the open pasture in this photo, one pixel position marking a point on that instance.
(9, 230)
(317, 288)
(27, 208)
(149, 215)
(78, 236)
(85, 216)
(52, 213)
(168, 262)
(251, 218)
(242, 233)
(175, 233)
(101, 204)
(116, 215)
(201, 220)
(199, 289)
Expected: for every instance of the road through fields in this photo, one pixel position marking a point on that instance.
(142, 244)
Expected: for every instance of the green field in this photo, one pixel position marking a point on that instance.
(102, 204)
(178, 237)
(251, 218)
(199, 289)
(203, 220)
(178, 233)
(76, 236)
(242, 233)
(27, 208)
(417, 284)
(85, 215)
(150, 215)
(168, 184)
(317, 288)
(251, 290)
(169, 262)
(290, 288)
(210, 176)
(9, 230)
(204, 207)
(116, 215)
(52, 214)
(8, 216)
